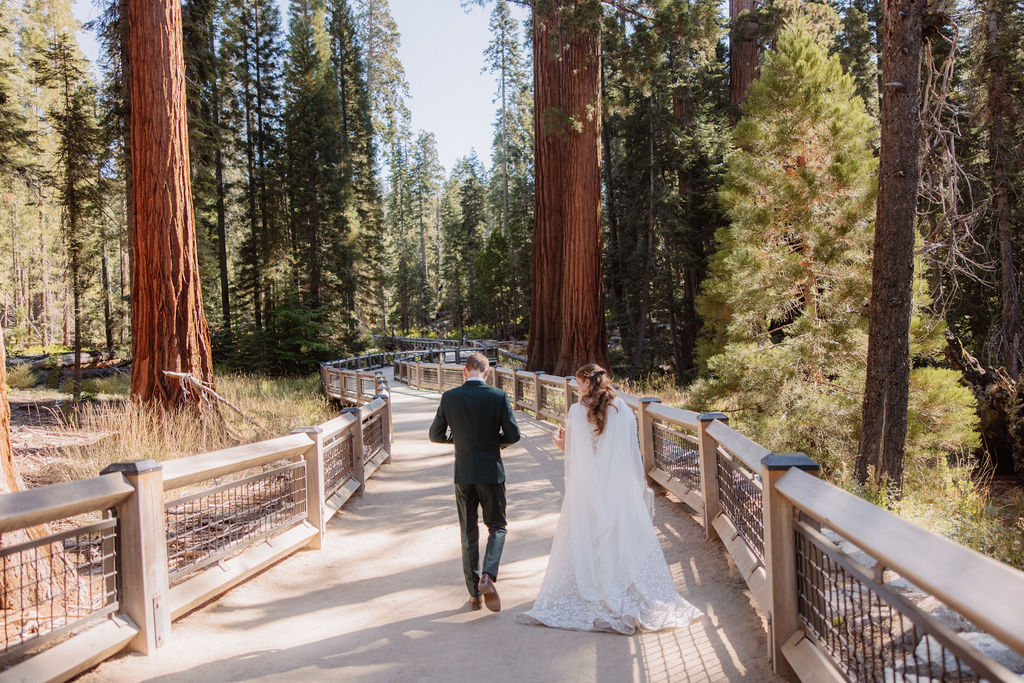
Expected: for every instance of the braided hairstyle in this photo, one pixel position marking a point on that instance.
(599, 394)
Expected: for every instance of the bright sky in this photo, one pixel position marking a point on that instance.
(442, 51)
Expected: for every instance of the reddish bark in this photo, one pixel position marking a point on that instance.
(545, 313)
(742, 54)
(567, 326)
(10, 480)
(884, 413)
(168, 325)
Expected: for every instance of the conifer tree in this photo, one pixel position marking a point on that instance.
(61, 68)
(786, 299)
(252, 43)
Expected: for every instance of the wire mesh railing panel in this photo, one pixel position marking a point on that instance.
(428, 377)
(452, 378)
(740, 494)
(55, 584)
(552, 398)
(338, 462)
(368, 385)
(676, 453)
(872, 632)
(524, 387)
(505, 382)
(373, 436)
(212, 524)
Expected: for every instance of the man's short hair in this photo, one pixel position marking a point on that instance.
(477, 362)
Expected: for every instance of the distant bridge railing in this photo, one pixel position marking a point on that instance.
(93, 566)
(850, 591)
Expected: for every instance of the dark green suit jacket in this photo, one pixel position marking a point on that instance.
(481, 423)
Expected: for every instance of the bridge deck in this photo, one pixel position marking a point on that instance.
(385, 600)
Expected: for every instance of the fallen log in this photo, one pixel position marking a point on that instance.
(1000, 408)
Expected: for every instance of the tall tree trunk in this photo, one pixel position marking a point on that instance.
(584, 338)
(742, 54)
(567, 316)
(998, 110)
(615, 276)
(169, 330)
(643, 315)
(884, 413)
(548, 88)
(222, 232)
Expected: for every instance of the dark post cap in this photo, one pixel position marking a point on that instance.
(785, 461)
(650, 399)
(708, 417)
(129, 468)
(385, 397)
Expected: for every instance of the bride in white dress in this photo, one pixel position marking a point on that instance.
(606, 571)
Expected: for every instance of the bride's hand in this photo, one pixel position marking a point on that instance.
(558, 438)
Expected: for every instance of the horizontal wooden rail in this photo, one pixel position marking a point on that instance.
(673, 415)
(24, 509)
(185, 471)
(749, 452)
(962, 578)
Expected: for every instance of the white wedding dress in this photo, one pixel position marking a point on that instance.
(606, 571)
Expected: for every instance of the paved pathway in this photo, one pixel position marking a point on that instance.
(385, 600)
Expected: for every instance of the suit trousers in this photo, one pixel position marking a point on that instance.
(491, 499)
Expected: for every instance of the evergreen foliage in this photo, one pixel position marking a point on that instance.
(785, 304)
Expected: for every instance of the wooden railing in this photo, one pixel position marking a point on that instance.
(849, 591)
(125, 553)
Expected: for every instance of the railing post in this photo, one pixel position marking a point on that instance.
(567, 389)
(536, 395)
(647, 433)
(314, 457)
(440, 376)
(358, 470)
(143, 553)
(515, 390)
(386, 424)
(708, 449)
(780, 555)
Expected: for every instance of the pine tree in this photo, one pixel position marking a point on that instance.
(61, 68)
(362, 193)
(252, 43)
(786, 299)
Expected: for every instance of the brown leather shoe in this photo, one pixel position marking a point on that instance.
(490, 593)
(476, 603)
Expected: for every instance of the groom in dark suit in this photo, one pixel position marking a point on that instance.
(481, 423)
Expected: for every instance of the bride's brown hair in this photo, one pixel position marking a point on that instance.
(599, 394)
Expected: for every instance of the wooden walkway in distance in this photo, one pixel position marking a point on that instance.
(385, 599)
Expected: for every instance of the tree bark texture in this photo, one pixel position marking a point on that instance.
(884, 412)
(545, 313)
(742, 54)
(1010, 333)
(567, 316)
(169, 327)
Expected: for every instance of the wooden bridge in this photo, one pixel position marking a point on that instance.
(796, 577)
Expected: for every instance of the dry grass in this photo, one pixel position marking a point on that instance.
(125, 431)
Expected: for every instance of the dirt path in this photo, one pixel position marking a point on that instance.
(385, 600)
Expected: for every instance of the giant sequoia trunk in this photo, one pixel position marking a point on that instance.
(884, 413)
(567, 315)
(168, 325)
(742, 54)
